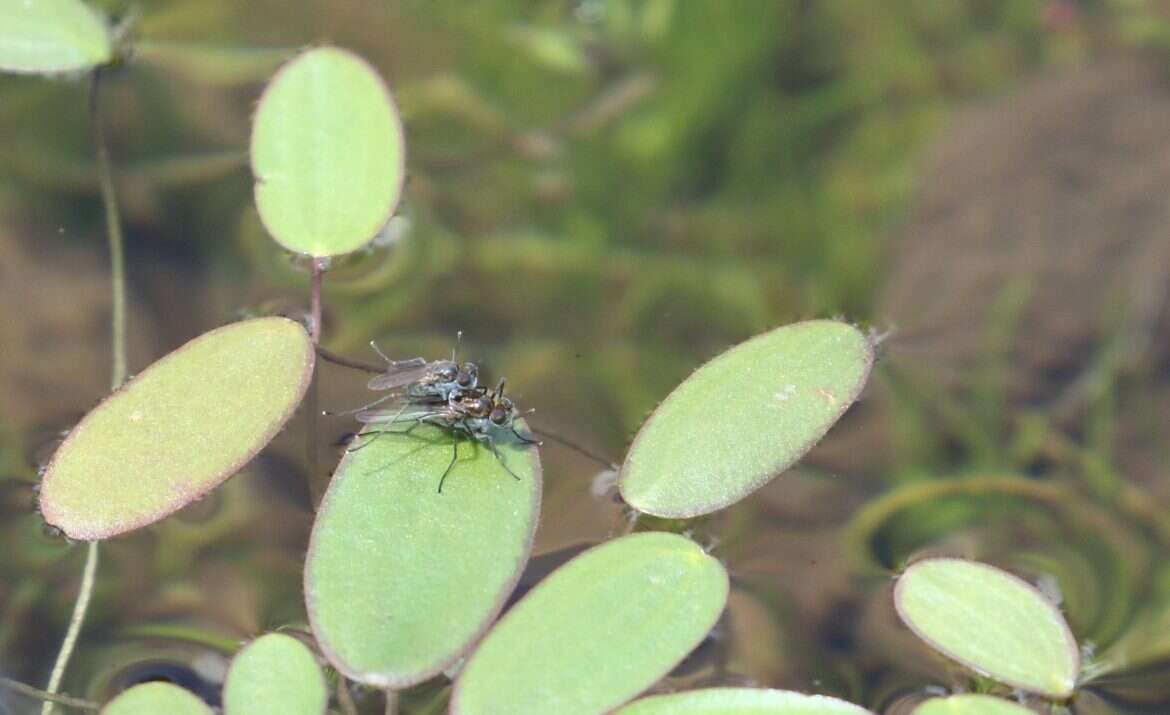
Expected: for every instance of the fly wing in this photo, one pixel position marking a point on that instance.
(399, 373)
(406, 412)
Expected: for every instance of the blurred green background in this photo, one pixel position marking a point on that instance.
(601, 195)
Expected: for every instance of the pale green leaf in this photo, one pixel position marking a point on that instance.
(327, 153)
(401, 579)
(598, 631)
(51, 36)
(177, 430)
(969, 704)
(156, 698)
(274, 675)
(744, 417)
(741, 701)
(990, 621)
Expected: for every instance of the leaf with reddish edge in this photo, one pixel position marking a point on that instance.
(177, 430)
(744, 417)
(401, 580)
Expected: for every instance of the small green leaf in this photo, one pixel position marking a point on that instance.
(401, 579)
(744, 417)
(155, 698)
(51, 36)
(327, 153)
(274, 675)
(177, 430)
(970, 705)
(598, 631)
(741, 701)
(990, 621)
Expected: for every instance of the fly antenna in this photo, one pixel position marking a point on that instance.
(458, 341)
(378, 350)
(349, 362)
(500, 388)
(570, 444)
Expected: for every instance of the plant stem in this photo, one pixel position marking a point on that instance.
(30, 691)
(344, 697)
(113, 235)
(316, 274)
(631, 522)
(391, 702)
(117, 370)
(316, 487)
(78, 617)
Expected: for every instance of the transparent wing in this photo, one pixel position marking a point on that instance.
(403, 412)
(399, 373)
(394, 397)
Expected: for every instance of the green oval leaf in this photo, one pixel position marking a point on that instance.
(598, 631)
(177, 430)
(51, 36)
(327, 153)
(401, 579)
(744, 417)
(970, 705)
(741, 701)
(274, 675)
(155, 698)
(990, 621)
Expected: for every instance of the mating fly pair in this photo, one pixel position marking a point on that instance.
(442, 393)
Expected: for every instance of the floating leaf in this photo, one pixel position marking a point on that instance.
(327, 153)
(970, 705)
(990, 621)
(154, 698)
(744, 417)
(177, 430)
(401, 579)
(51, 36)
(274, 675)
(741, 701)
(598, 631)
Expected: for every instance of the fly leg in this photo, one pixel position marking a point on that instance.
(491, 443)
(451, 464)
(423, 419)
(524, 438)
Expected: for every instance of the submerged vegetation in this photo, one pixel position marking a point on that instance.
(601, 209)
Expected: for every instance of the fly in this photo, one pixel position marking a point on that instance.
(446, 394)
(477, 413)
(418, 381)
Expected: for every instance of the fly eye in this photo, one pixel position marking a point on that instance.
(483, 405)
(464, 379)
(499, 416)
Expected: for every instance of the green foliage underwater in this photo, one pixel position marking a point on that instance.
(834, 335)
